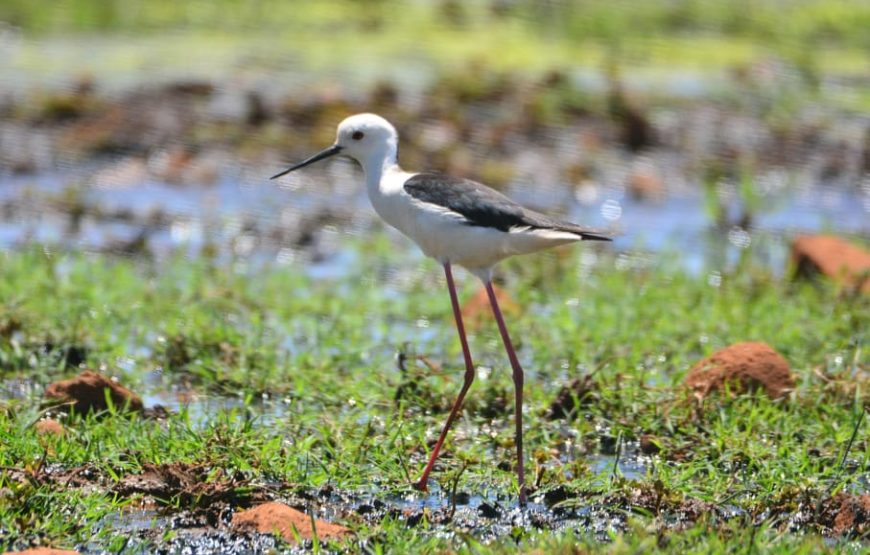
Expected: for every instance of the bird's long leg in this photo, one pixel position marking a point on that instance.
(469, 377)
(518, 388)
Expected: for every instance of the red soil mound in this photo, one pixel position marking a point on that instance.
(834, 258)
(476, 310)
(49, 426)
(87, 392)
(279, 518)
(847, 514)
(743, 366)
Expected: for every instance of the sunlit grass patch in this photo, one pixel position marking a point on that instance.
(316, 416)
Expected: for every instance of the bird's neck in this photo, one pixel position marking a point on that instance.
(377, 165)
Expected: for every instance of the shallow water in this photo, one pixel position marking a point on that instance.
(252, 219)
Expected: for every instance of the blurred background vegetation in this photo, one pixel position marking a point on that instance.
(505, 33)
(812, 23)
(750, 117)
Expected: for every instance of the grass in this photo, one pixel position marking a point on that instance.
(327, 347)
(368, 41)
(815, 21)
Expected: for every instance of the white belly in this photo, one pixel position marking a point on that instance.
(447, 236)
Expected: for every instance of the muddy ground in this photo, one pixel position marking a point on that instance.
(203, 507)
(208, 509)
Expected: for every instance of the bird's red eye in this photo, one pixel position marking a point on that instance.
(357, 135)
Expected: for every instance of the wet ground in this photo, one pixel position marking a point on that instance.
(189, 507)
(153, 172)
(183, 167)
(154, 522)
(256, 220)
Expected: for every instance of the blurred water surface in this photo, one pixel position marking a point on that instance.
(149, 128)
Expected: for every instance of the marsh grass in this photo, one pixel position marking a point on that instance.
(375, 39)
(327, 351)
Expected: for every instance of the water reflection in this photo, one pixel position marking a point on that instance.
(232, 220)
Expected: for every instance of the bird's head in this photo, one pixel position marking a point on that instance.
(367, 138)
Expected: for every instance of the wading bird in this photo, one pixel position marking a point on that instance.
(454, 221)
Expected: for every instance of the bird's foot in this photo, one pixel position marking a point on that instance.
(421, 485)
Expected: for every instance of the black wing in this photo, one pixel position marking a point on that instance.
(485, 207)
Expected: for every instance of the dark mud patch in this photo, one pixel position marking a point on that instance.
(174, 485)
(228, 542)
(842, 515)
(495, 515)
(580, 393)
(88, 476)
(209, 509)
(656, 500)
(190, 485)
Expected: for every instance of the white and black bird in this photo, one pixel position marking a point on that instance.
(454, 221)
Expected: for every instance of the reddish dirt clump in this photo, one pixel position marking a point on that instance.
(743, 366)
(279, 518)
(42, 551)
(49, 426)
(847, 514)
(87, 392)
(646, 186)
(834, 258)
(476, 310)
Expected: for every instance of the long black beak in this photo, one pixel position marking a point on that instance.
(326, 153)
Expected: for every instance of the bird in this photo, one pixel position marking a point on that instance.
(455, 221)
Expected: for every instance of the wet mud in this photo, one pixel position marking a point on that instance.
(183, 165)
(573, 397)
(233, 513)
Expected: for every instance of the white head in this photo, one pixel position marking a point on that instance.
(367, 138)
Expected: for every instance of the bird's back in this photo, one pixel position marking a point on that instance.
(483, 206)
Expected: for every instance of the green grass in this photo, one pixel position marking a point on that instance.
(328, 347)
(813, 21)
(353, 40)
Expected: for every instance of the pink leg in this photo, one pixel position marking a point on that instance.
(518, 389)
(469, 377)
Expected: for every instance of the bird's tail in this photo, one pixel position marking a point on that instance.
(594, 236)
(584, 233)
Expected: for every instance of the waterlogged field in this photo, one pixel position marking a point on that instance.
(327, 393)
(266, 342)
